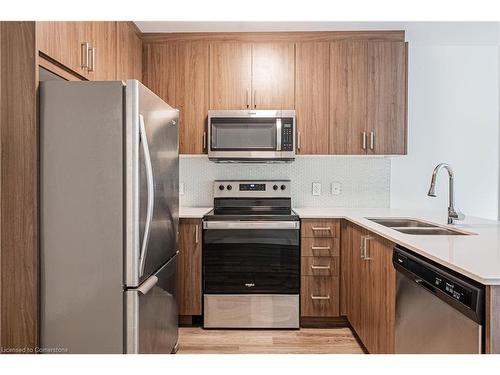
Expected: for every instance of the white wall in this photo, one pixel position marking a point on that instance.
(453, 117)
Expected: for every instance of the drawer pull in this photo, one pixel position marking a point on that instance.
(322, 228)
(320, 267)
(320, 297)
(320, 248)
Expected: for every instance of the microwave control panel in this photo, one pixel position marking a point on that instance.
(287, 134)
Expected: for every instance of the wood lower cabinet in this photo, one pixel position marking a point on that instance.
(312, 95)
(230, 75)
(372, 290)
(129, 52)
(189, 297)
(320, 263)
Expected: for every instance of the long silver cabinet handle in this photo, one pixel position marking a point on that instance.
(320, 297)
(367, 256)
(248, 98)
(320, 267)
(84, 55)
(364, 140)
(372, 140)
(255, 98)
(298, 141)
(196, 233)
(251, 225)
(362, 247)
(204, 140)
(321, 229)
(151, 193)
(91, 59)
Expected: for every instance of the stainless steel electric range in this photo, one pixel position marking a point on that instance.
(251, 256)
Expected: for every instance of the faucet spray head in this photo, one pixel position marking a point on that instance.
(432, 189)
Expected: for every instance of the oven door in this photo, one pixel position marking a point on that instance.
(251, 257)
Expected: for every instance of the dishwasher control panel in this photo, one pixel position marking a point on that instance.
(437, 280)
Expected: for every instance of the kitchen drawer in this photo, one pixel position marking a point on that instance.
(319, 266)
(320, 228)
(319, 246)
(319, 296)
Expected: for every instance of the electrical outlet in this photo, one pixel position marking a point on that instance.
(181, 188)
(336, 188)
(316, 188)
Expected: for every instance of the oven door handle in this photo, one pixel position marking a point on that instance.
(251, 225)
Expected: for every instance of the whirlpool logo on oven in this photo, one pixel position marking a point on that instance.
(249, 285)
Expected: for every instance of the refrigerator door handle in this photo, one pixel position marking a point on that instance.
(151, 192)
(147, 285)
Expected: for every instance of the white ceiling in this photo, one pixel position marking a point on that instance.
(437, 33)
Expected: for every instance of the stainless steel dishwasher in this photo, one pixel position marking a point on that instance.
(437, 311)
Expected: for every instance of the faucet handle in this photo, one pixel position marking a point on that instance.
(454, 215)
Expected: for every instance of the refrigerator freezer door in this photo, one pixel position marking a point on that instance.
(151, 313)
(81, 216)
(152, 182)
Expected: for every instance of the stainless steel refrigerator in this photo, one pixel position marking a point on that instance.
(109, 177)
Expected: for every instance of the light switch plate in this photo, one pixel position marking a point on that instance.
(181, 188)
(316, 188)
(336, 188)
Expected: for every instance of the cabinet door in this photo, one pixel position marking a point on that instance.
(273, 75)
(161, 70)
(348, 85)
(387, 98)
(104, 50)
(189, 267)
(312, 89)
(192, 95)
(61, 41)
(129, 53)
(380, 302)
(230, 75)
(356, 282)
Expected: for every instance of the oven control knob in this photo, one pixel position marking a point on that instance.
(221, 187)
(229, 187)
(283, 187)
(275, 187)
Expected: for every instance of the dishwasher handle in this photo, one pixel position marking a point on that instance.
(425, 285)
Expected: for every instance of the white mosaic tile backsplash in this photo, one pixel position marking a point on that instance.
(365, 181)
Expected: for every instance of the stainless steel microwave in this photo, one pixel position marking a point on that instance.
(251, 135)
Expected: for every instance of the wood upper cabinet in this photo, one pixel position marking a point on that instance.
(179, 74)
(368, 97)
(189, 267)
(103, 52)
(129, 52)
(257, 76)
(230, 75)
(192, 95)
(312, 91)
(372, 290)
(387, 98)
(273, 75)
(348, 99)
(62, 42)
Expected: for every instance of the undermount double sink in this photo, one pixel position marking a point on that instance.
(417, 227)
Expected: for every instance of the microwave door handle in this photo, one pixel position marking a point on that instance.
(278, 134)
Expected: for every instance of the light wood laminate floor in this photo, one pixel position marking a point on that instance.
(195, 340)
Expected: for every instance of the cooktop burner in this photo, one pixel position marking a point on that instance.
(252, 200)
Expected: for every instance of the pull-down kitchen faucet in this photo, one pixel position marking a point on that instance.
(453, 214)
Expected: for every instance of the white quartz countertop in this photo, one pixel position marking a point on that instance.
(476, 256)
(193, 212)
